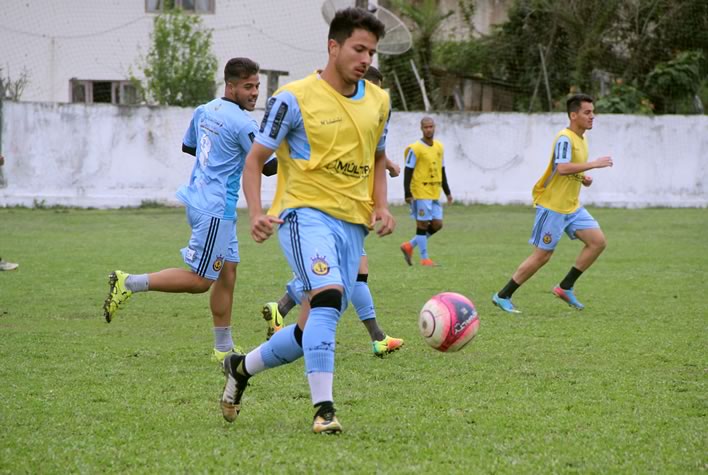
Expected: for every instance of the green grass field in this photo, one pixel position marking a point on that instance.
(617, 388)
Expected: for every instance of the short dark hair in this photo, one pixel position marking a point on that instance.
(573, 102)
(240, 68)
(373, 74)
(347, 20)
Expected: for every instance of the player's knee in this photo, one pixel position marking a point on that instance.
(435, 226)
(600, 243)
(331, 298)
(201, 284)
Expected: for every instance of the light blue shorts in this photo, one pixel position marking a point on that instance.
(321, 250)
(426, 210)
(213, 241)
(550, 225)
(294, 287)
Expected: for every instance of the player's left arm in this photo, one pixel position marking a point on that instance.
(246, 136)
(381, 212)
(445, 186)
(261, 224)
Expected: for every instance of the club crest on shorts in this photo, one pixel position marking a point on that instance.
(547, 238)
(218, 263)
(320, 266)
(421, 212)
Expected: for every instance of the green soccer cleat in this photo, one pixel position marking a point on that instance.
(386, 346)
(326, 423)
(117, 295)
(271, 314)
(234, 387)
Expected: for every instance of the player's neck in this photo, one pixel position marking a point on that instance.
(331, 77)
(579, 131)
(427, 141)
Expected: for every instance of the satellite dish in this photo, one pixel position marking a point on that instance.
(398, 38)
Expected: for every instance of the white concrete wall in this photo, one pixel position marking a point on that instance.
(108, 156)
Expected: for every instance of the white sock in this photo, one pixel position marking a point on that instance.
(321, 387)
(137, 282)
(254, 362)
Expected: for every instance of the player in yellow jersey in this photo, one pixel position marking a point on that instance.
(381, 343)
(558, 209)
(329, 134)
(423, 179)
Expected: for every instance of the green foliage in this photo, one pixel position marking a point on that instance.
(624, 99)
(180, 67)
(676, 79)
(618, 388)
(659, 47)
(12, 89)
(428, 20)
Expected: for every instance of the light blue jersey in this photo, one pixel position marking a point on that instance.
(222, 134)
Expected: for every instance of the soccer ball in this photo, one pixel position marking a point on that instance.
(448, 321)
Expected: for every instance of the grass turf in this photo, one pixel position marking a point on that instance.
(617, 388)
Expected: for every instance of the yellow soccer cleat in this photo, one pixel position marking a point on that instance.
(326, 423)
(271, 314)
(117, 295)
(386, 346)
(219, 356)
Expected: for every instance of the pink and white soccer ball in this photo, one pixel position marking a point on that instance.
(448, 321)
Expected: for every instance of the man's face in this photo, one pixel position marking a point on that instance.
(244, 92)
(353, 57)
(584, 117)
(428, 128)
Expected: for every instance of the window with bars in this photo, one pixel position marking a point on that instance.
(109, 92)
(189, 6)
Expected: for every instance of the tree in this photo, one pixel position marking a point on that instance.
(12, 89)
(179, 68)
(427, 20)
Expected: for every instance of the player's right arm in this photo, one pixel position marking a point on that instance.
(281, 115)
(563, 156)
(189, 142)
(261, 224)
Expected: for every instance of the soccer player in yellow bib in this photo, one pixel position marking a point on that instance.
(362, 300)
(558, 209)
(423, 179)
(329, 134)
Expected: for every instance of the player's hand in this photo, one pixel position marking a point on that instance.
(393, 168)
(587, 180)
(449, 199)
(409, 199)
(385, 219)
(603, 162)
(262, 227)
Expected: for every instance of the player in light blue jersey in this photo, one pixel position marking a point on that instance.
(220, 135)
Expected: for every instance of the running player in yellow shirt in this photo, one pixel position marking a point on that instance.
(558, 209)
(329, 131)
(423, 179)
(381, 344)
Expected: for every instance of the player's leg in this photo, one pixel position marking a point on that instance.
(221, 303)
(547, 230)
(204, 255)
(435, 213)
(275, 312)
(408, 246)
(584, 227)
(363, 302)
